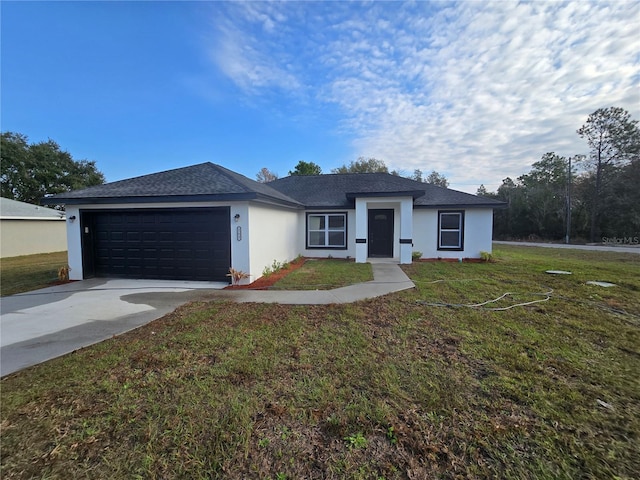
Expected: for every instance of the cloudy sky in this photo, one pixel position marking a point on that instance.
(477, 91)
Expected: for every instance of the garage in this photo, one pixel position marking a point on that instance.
(167, 244)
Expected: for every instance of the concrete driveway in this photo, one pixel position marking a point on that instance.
(44, 324)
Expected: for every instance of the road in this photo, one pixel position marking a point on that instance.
(593, 248)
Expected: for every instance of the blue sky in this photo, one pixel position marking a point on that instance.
(477, 91)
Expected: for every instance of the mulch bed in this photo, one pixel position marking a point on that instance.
(266, 281)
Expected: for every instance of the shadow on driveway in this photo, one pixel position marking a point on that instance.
(47, 323)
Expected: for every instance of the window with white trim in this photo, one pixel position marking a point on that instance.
(450, 230)
(326, 230)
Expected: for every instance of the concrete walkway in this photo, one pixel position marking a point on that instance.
(44, 324)
(387, 278)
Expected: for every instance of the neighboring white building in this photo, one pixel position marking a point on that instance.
(196, 222)
(26, 229)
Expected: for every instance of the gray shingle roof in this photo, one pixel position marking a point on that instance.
(15, 209)
(338, 190)
(208, 181)
(205, 181)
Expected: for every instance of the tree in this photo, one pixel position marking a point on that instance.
(613, 139)
(623, 201)
(545, 190)
(482, 191)
(265, 175)
(363, 165)
(511, 221)
(29, 172)
(417, 175)
(306, 168)
(435, 178)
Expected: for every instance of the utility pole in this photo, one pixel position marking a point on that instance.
(568, 234)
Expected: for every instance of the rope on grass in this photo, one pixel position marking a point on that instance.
(483, 306)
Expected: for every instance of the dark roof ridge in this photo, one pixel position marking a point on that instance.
(254, 186)
(188, 167)
(232, 175)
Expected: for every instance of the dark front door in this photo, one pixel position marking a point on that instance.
(381, 233)
(171, 244)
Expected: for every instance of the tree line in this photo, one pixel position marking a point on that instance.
(361, 165)
(581, 197)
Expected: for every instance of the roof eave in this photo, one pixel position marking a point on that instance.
(225, 197)
(463, 205)
(277, 201)
(330, 207)
(409, 193)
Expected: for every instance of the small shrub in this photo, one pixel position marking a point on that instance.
(236, 275)
(486, 257)
(275, 267)
(416, 255)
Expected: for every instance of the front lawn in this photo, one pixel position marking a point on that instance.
(30, 272)
(325, 274)
(411, 385)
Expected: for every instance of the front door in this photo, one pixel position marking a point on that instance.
(381, 233)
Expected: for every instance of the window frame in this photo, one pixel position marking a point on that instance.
(460, 230)
(326, 231)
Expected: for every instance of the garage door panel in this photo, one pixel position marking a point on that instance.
(189, 244)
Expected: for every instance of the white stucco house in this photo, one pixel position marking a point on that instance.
(196, 222)
(27, 229)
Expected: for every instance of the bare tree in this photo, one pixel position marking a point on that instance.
(265, 175)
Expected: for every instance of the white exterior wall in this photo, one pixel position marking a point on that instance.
(350, 251)
(74, 243)
(272, 233)
(31, 236)
(478, 231)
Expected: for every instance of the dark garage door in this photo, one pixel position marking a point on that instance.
(171, 244)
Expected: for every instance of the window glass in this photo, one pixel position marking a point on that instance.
(450, 234)
(336, 239)
(326, 230)
(316, 222)
(450, 239)
(336, 221)
(316, 239)
(450, 221)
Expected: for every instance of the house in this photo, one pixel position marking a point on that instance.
(196, 222)
(26, 229)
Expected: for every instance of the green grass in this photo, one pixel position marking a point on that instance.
(325, 275)
(30, 272)
(389, 388)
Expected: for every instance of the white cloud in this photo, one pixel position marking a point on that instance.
(477, 91)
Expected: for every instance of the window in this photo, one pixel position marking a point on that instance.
(326, 230)
(451, 230)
